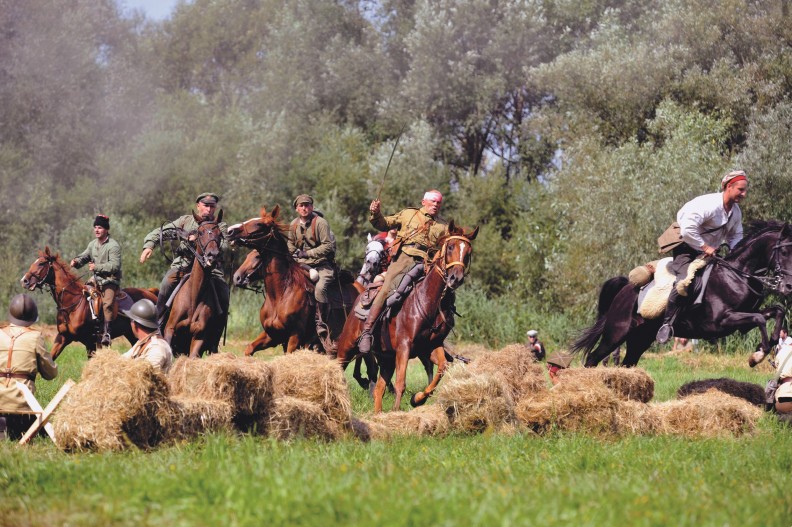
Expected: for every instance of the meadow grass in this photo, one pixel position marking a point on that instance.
(488, 479)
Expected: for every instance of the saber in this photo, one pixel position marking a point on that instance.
(382, 184)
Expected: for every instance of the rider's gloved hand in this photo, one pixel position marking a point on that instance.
(299, 253)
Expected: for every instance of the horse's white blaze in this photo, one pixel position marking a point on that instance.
(462, 249)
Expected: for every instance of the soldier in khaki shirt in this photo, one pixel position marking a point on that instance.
(419, 230)
(23, 355)
(150, 345)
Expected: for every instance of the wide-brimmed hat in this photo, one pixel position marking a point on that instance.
(562, 360)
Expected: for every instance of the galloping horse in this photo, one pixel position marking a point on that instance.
(197, 319)
(738, 284)
(288, 315)
(421, 325)
(74, 322)
(373, 261)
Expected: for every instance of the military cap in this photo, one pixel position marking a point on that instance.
(208, 198)
(144, 312)
(23, 310)
(102, 221)
(302, 198)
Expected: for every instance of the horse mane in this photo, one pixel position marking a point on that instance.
(280, 231)
(67, 269)
(755, 229)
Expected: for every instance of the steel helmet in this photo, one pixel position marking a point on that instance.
(23, 310)
(144, 312)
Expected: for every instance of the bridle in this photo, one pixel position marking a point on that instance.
(371, 267)
(770, 277)
(48, 281)
(441, 256)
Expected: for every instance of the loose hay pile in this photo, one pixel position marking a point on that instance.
(115, 405)
(312, 378)
(710, 414)
(430, 420)
(244, 383)
(475, 402)
(516, 366)
(628, 384)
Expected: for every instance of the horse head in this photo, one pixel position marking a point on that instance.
(249, 271)
(372, 262)
(41, 271)
(456, 251)
(256, 232)
(207, 240)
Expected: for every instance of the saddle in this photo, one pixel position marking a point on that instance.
(396, 297)
(653, 297)
(93, 296)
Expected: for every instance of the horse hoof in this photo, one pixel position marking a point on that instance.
(415, 402)
(755, 358)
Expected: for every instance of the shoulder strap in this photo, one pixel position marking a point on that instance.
(11, 346)
(778, 375)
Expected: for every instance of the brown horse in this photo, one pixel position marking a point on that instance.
(421, 324)
(74, 321)
(196, 318)
(288, 313)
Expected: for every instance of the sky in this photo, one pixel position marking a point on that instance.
(154, 9)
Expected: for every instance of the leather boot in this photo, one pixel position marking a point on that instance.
(366, 338)
(322, 330)
(106, 337)
(666, 331)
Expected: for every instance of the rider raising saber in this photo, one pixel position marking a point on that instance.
(705, 223)
(419, 230)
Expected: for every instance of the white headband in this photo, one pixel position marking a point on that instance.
(433, 195)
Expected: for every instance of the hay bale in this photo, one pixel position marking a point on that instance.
(636, 418)
(114, 406)
(187, 417)
(245, 383)
(314, 378)
(292, 417)
(628, 384)
(571, 406)
(710, 414)
(516, 366)
(475, 402)
(430, 420)
(751, 392)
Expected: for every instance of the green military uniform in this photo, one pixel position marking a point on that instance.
(317, 240)
(184, 259)
(23, 355)
(418, 234)
(107, 262)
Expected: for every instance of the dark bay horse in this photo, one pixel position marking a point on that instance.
(738, 284)
(74, 322)
(288, 314)
(196, 319)
(421, 325)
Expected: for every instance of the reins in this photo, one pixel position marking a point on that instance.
(769, 278)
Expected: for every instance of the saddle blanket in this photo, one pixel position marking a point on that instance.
(653, 298)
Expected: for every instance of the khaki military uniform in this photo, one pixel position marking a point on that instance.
(317, 240)
(154, 349)
(107, 261)
(184, 259)
(418, 234)
(23, 355)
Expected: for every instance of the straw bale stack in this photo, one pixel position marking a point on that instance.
(114, 406)
(588, 408)
(292, 417)
(429, 420)
(187, 417)
(710, 414)
(475, 402)
(636, 418)
(245, 383)
(628, 384)
(314, 378)
(516, 366)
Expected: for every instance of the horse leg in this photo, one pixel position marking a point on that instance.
(402, 358)
(428, 362)
(421, 397)
(637, 343)
(293, 343)
(61, 341)
(261, 342)
(364, 383)
(379, 391)
(777, 313)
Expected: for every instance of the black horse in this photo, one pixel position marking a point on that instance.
(760, 263)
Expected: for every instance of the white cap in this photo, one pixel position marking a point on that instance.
(532, 333)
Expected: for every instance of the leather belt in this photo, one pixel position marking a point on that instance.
(419, 247)
(11, 375)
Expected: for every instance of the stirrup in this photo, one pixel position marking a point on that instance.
(665, 333)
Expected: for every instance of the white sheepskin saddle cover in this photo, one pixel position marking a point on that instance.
(656, 297)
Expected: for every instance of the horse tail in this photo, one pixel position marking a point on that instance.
(588, 338)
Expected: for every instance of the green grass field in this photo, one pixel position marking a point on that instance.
(488, 479)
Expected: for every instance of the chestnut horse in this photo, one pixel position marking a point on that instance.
(74, 322)
(421, 324)
(196, 319)
(288, 315)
